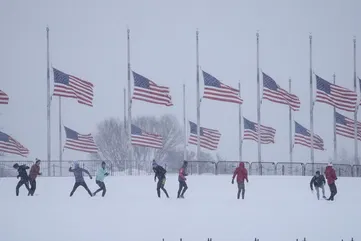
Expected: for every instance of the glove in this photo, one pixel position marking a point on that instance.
(155, 179)
(232, 181)
(91, 177)
(106, 174)
(17, 177)
(40, 174)
(311, 189)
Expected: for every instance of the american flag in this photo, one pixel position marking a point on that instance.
(10, 145)
(146, 90)
(273, 92)
(335, 95)
(72, 87)
(216, 90)
(303, 137)
(251, 132)
(208, 138)
(142, 138)
(4, 98)
(345, 126)
(360, 86)
(79, 142)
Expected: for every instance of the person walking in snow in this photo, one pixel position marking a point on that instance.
(318, 181)
(159, 172)
(331, 178)
(101, 174)
(34, 172)
(79, 179)
(182, 180)
(24, 178)
(242, 174)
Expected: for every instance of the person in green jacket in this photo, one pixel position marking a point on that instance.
(101, 174)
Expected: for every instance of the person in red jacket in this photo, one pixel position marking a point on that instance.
(242, 174)
(34, 172)
(331, 178)
(182, 180)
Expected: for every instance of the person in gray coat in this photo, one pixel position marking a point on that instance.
(79, 179)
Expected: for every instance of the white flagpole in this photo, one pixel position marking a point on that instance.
(48, 102)
(129, 104)
(184, 123)
(357, 162)
(259, 108)
(290, 125)
(240, 124)
(311, 108)
(334, 129)
(198, 103)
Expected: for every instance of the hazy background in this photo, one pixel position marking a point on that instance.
(88, 40)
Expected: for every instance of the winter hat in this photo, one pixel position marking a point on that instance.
(330, 164)
(318, 172)
(37, 160)
(154, 164)
(16, 165)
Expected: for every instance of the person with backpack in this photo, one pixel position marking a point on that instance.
(79, 179)
(99, 180)
(34, 172)
(318, 181)
(24, 178)
(159, 172)
(331, 178)
(242, 174)
(182, 180)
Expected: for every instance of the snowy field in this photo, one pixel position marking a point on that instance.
(275, 209)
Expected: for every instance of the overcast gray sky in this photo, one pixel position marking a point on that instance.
(88, 40)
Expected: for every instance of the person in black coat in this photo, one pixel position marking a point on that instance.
(24, 178)
(159, 172)
(318, 181)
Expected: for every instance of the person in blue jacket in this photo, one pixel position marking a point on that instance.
(101, 174)
(79, 179)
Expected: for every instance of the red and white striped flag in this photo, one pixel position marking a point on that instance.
(148, 91)
(12, 146)
(143, 138)
(4, 98)
(79, 142)
(73, 87)
(345, 126)
(216, 90)
(208, 138)
(335, 95)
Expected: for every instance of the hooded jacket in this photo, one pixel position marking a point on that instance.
(78, 173)
(241, 173)
(34, 172)
(330, 175)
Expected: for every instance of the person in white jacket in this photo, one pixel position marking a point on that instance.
(101, 174)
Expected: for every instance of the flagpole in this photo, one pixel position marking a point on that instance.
(198, 102)
(125, 110)
(129, 103)
(60, 139)
(240, 124)
(334, 128)
(258, 106)
(290, 124)
(48, 101)
(311, 108)
(184, 123)
(355, 114)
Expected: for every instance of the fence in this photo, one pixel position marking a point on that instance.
(119, 168)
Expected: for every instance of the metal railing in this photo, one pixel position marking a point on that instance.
(120, 168)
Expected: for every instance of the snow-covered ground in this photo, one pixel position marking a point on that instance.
(275, 209)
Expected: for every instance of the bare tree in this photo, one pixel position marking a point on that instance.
(111, 140)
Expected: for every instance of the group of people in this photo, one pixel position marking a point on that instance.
(25, 179)
(318, 181)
